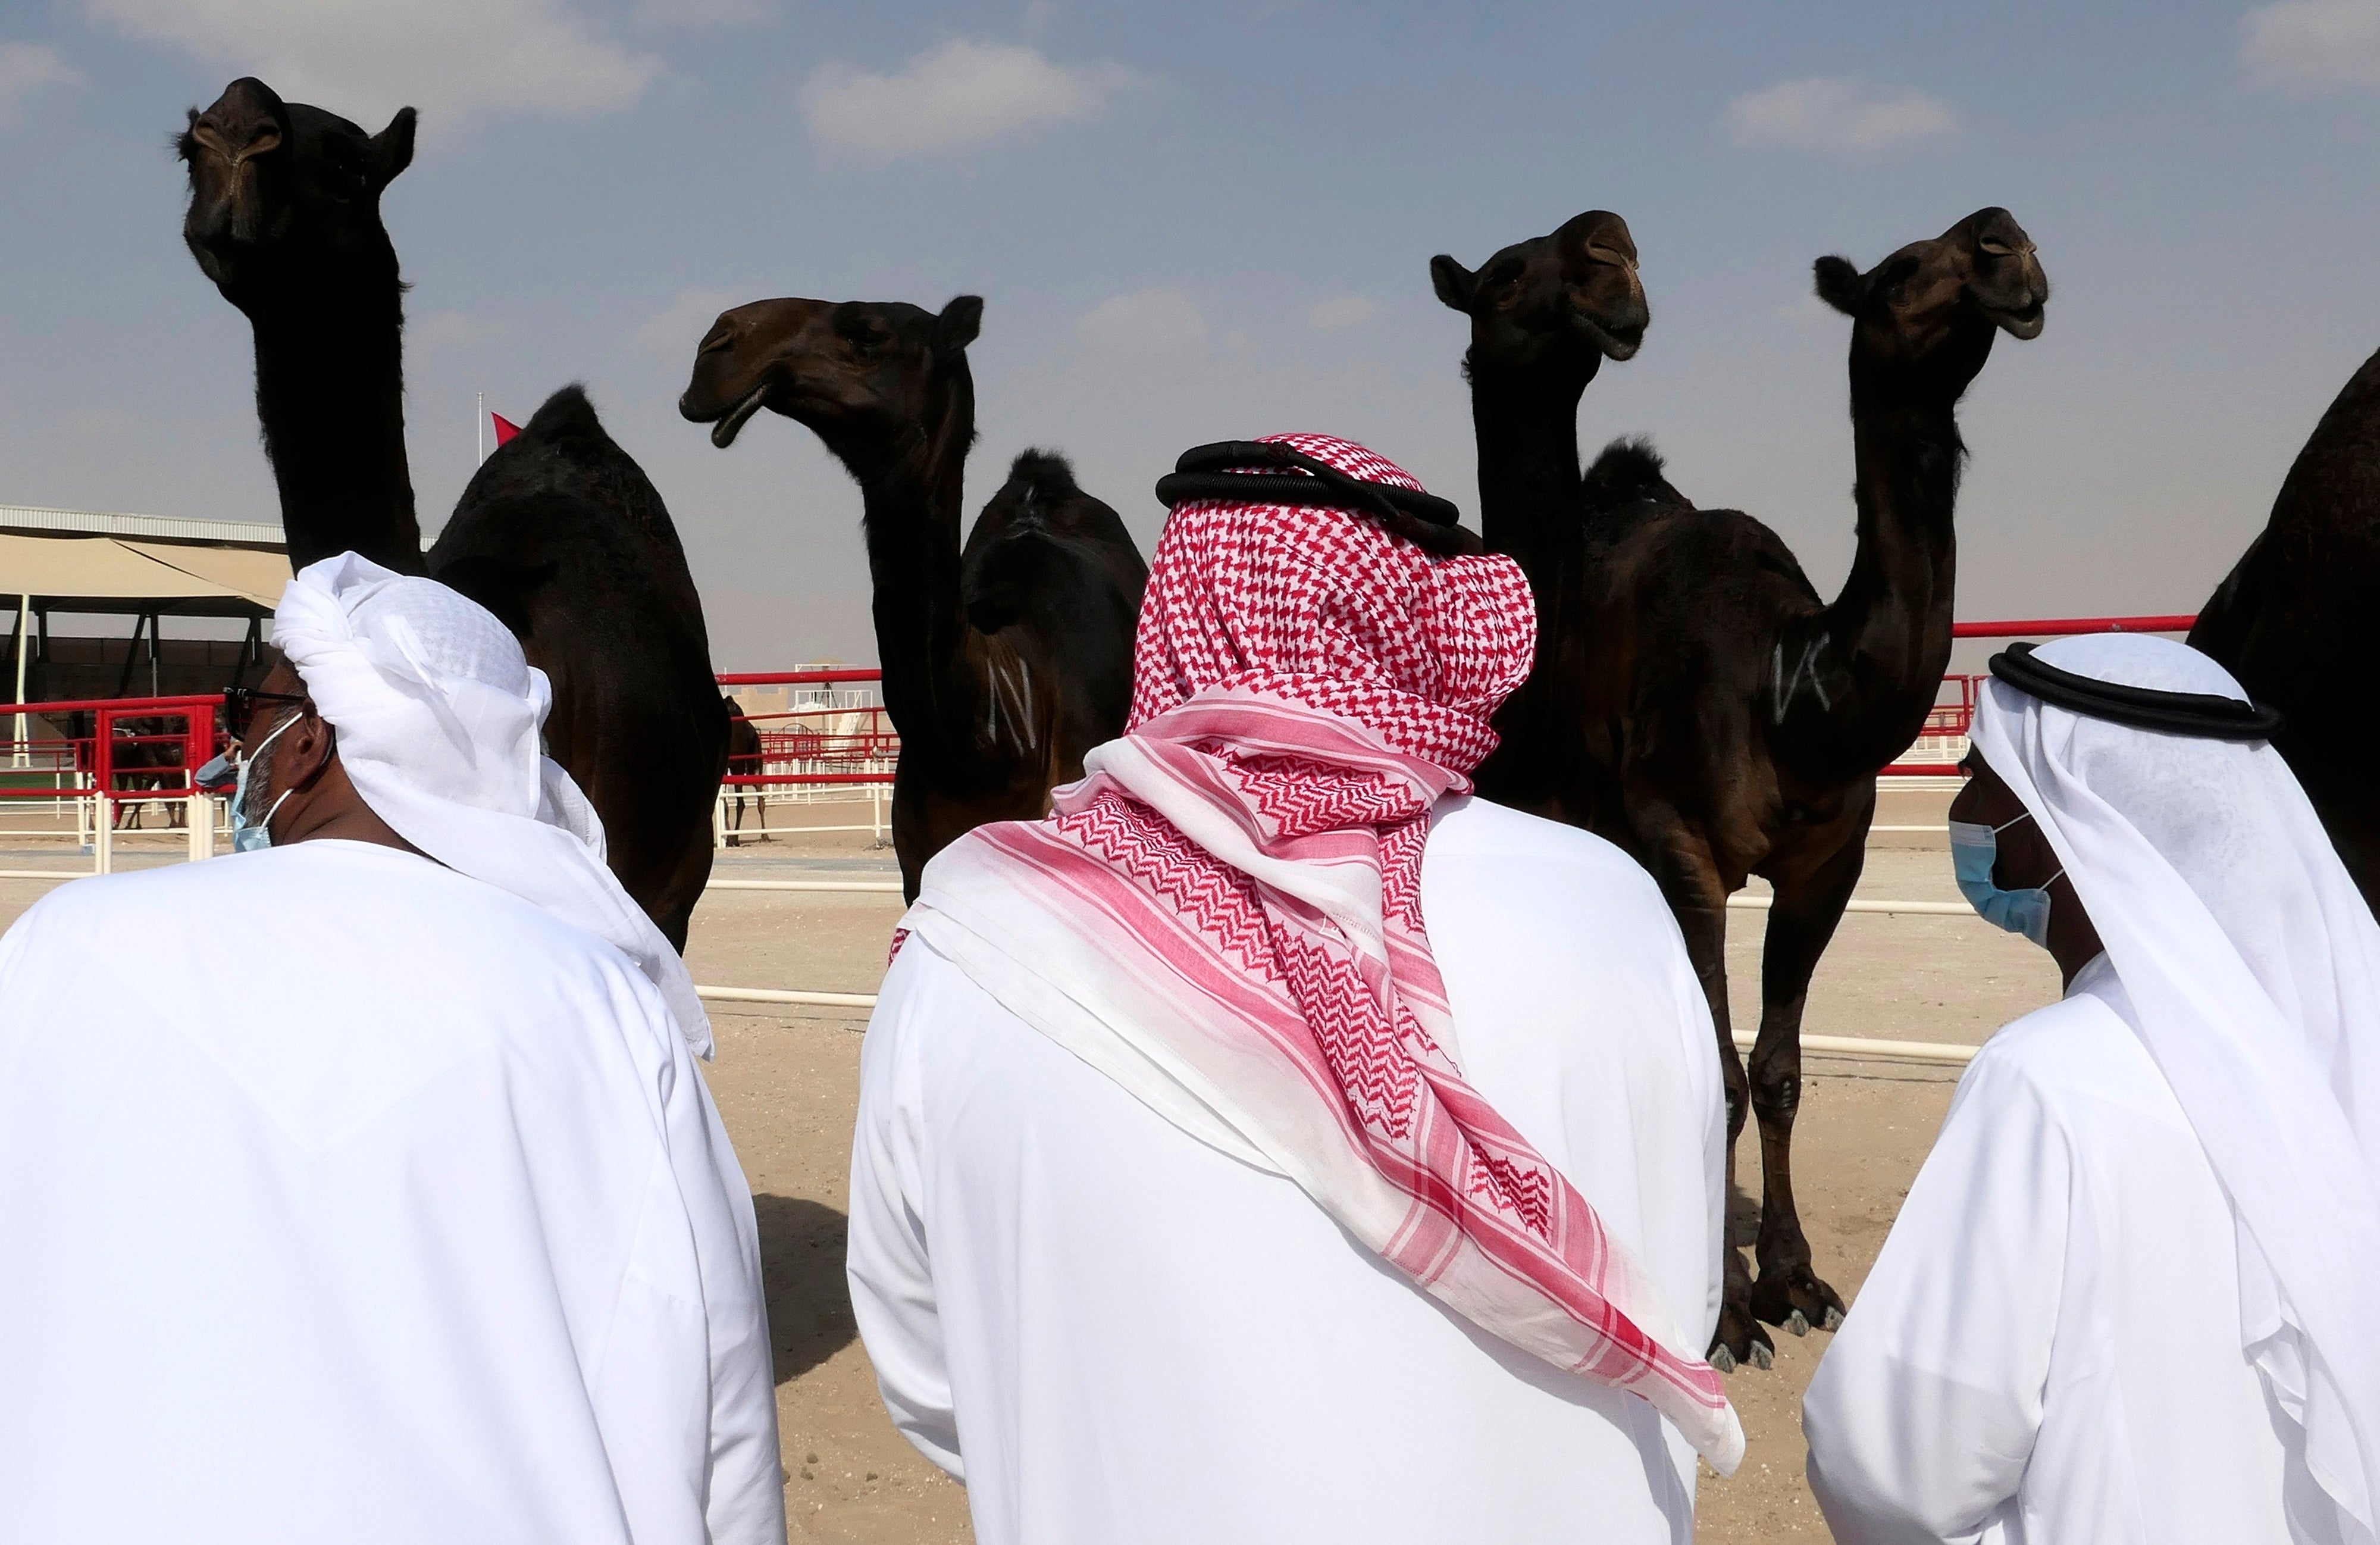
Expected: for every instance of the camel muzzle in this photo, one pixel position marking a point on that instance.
(723, 432)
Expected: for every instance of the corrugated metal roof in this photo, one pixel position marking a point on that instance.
(30, 519)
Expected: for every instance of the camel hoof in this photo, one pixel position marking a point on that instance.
(1834, 1321)
(1722, 1359)
(1796, 1323)
(1762, 1357)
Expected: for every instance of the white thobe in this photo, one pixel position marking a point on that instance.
(1111, 1331)
(2048, 1350)
(343, 1196)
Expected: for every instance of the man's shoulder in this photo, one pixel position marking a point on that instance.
(1539, 879)
(356, 902)
(1470, 827)
(2075, 1053)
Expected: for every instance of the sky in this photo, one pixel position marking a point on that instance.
(1193, 223)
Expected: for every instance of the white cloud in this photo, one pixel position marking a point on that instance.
(956, 94)
(363, 59)
(1160, 321)
(669, 338)
(1342, 311)
(1836, 113)
(704, 13)
(2312, 46)
(24, 69)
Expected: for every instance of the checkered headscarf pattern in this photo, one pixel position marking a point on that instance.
(1323, 607)
(1245, 865)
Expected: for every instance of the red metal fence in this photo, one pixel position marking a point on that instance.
(146, 749)
(135, 747)
(815, 743)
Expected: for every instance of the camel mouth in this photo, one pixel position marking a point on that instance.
(1618, 342)
(2021, 322)
(723, 432)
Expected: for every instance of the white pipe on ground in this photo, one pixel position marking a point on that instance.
(1864, 1046)
(871, 887)
(1916, 908)
(770, 996)
(1828, 1045)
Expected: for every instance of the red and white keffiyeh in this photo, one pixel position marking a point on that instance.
(1224, 915)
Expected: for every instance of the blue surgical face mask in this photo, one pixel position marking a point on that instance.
(247, 837)
(1974, 850)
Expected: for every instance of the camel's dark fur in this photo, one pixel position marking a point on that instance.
(558, 533)
(1005, 661)
(2289, 621)
(1694, 699)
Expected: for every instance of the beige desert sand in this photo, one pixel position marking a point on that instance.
(785, 1081)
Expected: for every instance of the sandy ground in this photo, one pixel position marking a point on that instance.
(785, 1081)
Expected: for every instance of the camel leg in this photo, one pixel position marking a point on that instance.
(1681, 861)
(1801, 922)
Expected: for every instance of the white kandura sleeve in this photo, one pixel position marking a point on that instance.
(1924, 1413)
(891, 1275)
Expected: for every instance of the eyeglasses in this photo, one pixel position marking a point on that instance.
(240, 704)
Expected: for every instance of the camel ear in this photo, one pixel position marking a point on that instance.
(391, 148)
(1455, 284)
(1838, 285)
(959, 323)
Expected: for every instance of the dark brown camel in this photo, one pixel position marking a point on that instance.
(2291, 622)
(285, 218)
(1002, 664)
(1697, 702)
(746, 759)
(558, 533)
(146, 755)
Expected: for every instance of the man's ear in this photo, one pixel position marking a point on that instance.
(304, 750)
(1456, 284)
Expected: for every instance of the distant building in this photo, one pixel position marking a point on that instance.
(63, 571)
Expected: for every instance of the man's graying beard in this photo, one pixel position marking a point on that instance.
(256, 800)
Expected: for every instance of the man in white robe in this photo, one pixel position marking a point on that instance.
(365, 1187)
(1119, 1281)
(2130, 1295)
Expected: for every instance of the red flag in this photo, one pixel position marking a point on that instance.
(505, 428)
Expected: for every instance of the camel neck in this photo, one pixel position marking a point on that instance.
(329, 392)
(1526, 428)
(912, 501)
(1885, 639)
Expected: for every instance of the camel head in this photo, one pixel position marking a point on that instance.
(859, 373)
(1933, 308)
(1566, 301)
(282, 192)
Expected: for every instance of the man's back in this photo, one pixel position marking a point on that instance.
(1154, 1342)
(2043, 1325)
(432, 1233)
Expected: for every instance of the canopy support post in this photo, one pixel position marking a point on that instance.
(24, 753)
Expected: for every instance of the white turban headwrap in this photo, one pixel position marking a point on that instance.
(438, 714)
(2252, 965)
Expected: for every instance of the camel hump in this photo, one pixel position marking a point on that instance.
(564, 485)
(567, 420)
(1629, 471)
(1043, 475)
(563, 448)
(1041, 498)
